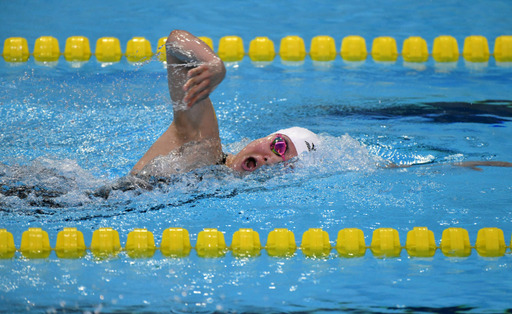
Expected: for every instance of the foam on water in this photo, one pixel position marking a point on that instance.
(51, 183)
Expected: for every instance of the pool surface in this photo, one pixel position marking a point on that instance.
(66, 131)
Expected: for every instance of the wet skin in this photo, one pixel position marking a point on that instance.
(258, 153)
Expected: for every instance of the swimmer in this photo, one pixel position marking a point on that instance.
(192, 140)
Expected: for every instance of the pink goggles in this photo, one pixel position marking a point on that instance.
(279, 146)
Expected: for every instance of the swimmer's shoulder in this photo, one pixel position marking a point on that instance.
(189, 156)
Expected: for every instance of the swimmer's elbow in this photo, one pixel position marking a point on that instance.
(177, 42)
(221, 70)
(176, 35)
(182, 46)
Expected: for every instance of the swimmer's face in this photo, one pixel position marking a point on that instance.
(261, 152)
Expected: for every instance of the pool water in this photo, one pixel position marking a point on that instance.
(68, 131)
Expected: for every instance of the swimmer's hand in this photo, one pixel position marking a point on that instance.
(475, 164)
(202, 80)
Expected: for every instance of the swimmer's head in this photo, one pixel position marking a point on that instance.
(303, 139)
(280, 146)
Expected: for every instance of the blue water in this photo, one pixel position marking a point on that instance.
(71, 130)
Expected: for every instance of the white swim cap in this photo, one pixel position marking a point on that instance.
(303, 139)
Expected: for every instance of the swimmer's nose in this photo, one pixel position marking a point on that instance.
(262, 159)
(265, 159)
(270, 158)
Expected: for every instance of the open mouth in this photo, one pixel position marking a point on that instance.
(249, 164)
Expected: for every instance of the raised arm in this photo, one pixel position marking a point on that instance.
(193, 72)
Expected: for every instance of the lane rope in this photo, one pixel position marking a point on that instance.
(261, 49)
(315, 243)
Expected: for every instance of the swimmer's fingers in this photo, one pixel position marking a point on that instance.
(469, 164)
(196, 75)
(197, 92)
(198, 70)
(198, 86)
(198, 97)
